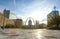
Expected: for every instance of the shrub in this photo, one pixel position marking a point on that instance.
(10, 26)
(20, 26)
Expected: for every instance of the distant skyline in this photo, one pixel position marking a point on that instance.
(37, 9)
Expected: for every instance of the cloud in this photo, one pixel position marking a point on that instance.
(38, 10)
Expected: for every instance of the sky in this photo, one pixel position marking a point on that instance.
(36, 9)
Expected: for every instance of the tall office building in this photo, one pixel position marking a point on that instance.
(29, 23)
(36, 24)
(53, 18)
(8, 14)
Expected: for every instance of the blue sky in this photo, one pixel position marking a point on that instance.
(37, 9)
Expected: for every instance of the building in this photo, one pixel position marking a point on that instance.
(8, 14)
(36, 24)
(53, 18)
(29, 23)
(12, 16)
(18, 22)
(1, 19)
(42, 25)
(4, 21)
